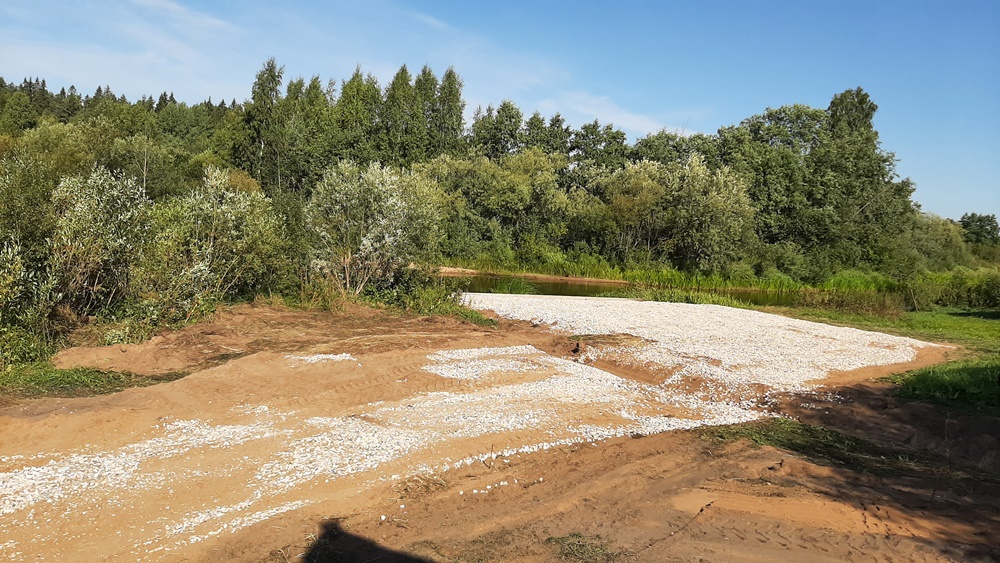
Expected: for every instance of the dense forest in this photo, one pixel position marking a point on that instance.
(154, 209)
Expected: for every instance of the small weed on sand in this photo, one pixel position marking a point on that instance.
(586, 549)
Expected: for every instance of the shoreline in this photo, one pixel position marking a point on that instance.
(450, 272)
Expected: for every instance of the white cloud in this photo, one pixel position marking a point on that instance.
(585, 107)
(184, 14)
(430, 21)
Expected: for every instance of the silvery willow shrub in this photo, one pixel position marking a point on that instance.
(99, 234)
(366, 224)
(12, 274)
(207, 245)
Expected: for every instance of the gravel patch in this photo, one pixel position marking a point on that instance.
(732, 346)
(317, 358)
(71, 476)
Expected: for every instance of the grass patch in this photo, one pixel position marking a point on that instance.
(588, 549)
(830, 447)
(978, 331)
(42, 379)
(964, 383)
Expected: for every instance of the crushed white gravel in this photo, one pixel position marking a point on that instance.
(730, 345)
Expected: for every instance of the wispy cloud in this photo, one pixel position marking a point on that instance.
(184, 14)
(430, 21)
(586, 107)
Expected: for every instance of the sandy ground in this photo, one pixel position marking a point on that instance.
(431, 439)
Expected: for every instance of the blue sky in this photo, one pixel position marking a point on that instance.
(932, 67)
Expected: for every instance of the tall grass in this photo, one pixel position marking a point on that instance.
(515, 286)
(675, 279)
(677, 296)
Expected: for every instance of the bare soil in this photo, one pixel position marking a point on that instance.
(670, 496)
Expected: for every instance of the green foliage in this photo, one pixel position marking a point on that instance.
(99, 235)
(447, 123)
(16, 114)
(929, 244)
(961, 287)
(367, 224)
(491, 207)
(355, 118)
(701, 220)
(416, 291)
(497, 133)
(12, 278)
(20, 346)
(965, 383)
(42, 379)
(211, 244)
(403, 134)
(980, 229)
(26, 215)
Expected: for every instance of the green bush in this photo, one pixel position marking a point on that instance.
(12, 275)
(212, 244)
(416, 291)
(368, 224)
(986, 291)
(19, 346)
(99, 235)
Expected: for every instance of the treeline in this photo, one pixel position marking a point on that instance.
(154, 204)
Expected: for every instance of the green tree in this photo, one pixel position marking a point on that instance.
(447, 123)
(497, 133)
(356, 118)
(425, 87)
(209, 244)
(699, 219)
(369, 223)
(599, 145)
(980, 229)
(265, 130)
(668, 147)
(634, 196)
(860, 204)
(17, 114)
(309, 130)
(493, 207)
(931, 243)
(400, 121)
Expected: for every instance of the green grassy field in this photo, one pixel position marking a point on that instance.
(970, 382)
